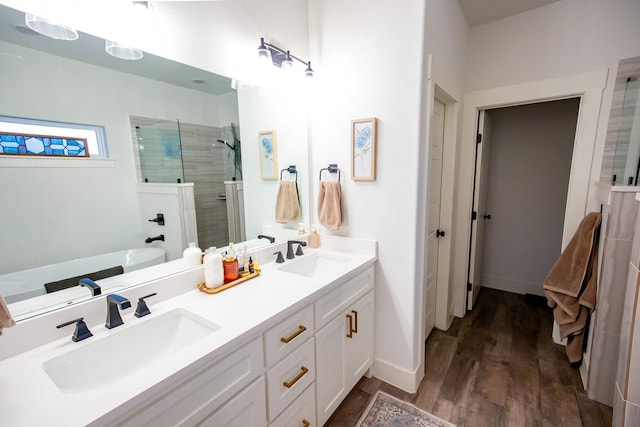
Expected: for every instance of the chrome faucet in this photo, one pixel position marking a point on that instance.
(290, 244)
(113, 313)
(93, 286)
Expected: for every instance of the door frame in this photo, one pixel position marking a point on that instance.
(589, 87)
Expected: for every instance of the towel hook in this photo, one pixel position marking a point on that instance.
(333, 168)
(292, 170)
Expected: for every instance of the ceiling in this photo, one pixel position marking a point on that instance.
(90, 49)
(478, 12)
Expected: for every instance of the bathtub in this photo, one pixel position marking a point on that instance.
(27, 284)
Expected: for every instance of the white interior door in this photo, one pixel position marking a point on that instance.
(479, 214)
(436, 140)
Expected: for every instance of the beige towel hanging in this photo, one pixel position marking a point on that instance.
(287, 203)
(571, 285)
(330, 204)
(6, 321)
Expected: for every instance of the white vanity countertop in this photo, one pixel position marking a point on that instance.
(28, 397)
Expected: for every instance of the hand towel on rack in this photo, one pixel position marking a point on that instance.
(287, 202)
(330, 204)
(571, 285)
(6, 321)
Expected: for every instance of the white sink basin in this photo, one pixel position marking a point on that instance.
(316, 264)
(123, 352)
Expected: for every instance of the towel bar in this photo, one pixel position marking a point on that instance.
(292, 170)
(333, 168)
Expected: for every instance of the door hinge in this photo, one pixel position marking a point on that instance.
(469, 287)
(478, 138)
(474, 215)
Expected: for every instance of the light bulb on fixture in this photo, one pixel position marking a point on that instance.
(122, 51)
(287, 62)
(49, 28)
(309, 71)
(263, 52)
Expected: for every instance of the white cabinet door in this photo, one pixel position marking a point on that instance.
(344, 352)
(360, 343)
(330, 362)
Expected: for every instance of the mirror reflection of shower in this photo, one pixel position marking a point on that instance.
(172, 151)
(235, 149)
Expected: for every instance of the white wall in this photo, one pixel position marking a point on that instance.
(529, 162)
(368, 56)
(564, 38)
(58, 213)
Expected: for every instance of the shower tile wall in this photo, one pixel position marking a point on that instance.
(616, 254)
(205, 164)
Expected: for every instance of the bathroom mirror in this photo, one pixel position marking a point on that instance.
(58, 209)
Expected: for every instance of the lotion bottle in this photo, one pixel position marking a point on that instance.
(314, 238)
(213, 271)
(192, 255)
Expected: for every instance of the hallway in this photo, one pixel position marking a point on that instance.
(498, 366)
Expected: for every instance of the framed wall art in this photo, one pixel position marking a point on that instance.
(363, 149)
(268, 154)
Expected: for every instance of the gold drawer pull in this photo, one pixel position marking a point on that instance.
(289, 384)
(355, 315)
(305, 423)
(350, 333)
(300, 330)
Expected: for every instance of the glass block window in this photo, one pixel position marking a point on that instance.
(19, 136)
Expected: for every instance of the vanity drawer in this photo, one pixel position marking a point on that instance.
(302, 412)
(202, 393)
(247, 408)
(288, 335)
(332, 304)
(289, 378)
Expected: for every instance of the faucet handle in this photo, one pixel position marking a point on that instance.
(82, 331)
(299, 251)
(142, 309)
(279, 258)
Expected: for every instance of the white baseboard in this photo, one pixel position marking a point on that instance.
(512, 285)
(398, 377)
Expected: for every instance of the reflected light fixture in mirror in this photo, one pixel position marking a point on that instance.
(49, 28)
(279, 57)
(122, 51)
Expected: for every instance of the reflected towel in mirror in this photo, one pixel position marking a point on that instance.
(6, 321)
(330, 204)
(287, 203)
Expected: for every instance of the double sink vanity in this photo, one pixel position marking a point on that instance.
(281, 349)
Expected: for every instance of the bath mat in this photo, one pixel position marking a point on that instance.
(387, 411)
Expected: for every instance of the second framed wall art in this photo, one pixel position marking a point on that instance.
(363, 149)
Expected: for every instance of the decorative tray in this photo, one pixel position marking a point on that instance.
(221, 288)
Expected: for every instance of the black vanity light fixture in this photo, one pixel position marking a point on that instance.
(280, 57)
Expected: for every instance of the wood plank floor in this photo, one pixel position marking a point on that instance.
(498, 366)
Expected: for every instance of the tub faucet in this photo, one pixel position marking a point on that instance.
(113, 313)
(269, 238)
(290, 244)
(93, 286)
(152, 239)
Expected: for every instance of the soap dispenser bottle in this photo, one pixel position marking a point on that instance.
(314, 238)
(230, 265)
(213, 271)
(192, 255)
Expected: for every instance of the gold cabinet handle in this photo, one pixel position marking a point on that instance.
(289, 384)
(350, 333)
(355, 315)
(305, 423)
(300, 330)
